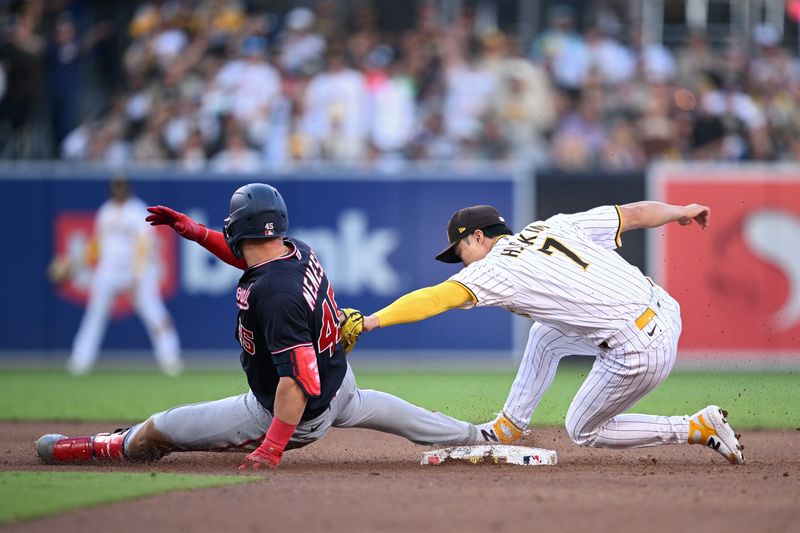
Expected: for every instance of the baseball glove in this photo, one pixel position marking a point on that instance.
(351, 325)
(59, 270)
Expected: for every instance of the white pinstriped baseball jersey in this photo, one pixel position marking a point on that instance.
(563, 272)
(120, 227)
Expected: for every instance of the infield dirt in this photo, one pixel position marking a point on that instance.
(360, 480)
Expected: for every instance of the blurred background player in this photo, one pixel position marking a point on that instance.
(124, 248)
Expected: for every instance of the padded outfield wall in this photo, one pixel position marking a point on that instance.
(377, 232)
(738, 283)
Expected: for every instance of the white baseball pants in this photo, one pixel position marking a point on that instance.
(106, 284)
(634, 364)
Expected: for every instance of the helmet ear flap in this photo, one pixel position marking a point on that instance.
(228, 232)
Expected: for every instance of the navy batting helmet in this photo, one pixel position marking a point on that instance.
(257, 212)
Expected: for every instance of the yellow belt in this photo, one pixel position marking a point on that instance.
(648, 314)
(645, 318)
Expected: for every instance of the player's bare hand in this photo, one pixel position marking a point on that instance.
(161, 215)
(371, 322)
(701, 214)
(262, 457)
(60, 269)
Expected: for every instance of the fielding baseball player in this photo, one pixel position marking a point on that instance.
(288, 329)
(127, 262)
(586, 300)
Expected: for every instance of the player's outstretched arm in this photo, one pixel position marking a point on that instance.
(654, 214)
(290, 402)
(420, 304)
(186, 227)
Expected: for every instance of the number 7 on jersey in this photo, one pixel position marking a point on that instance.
(550, 242)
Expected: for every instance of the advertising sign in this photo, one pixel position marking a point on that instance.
(738, 283)
(376, 236)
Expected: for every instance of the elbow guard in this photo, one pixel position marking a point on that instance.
(305, 370)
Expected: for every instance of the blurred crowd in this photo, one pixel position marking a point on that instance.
(222, 85)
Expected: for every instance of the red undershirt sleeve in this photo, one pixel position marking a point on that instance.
(215, 243)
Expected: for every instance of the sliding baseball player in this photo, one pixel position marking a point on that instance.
(299, 382)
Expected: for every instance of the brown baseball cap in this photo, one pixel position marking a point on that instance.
(463, 223)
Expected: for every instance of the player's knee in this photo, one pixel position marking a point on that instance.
(148, 443)
(581, 434)
(165, 325)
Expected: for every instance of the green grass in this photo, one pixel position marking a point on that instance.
(755, 399)
(31, 494)
(112, 396)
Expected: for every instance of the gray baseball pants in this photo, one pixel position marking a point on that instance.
(241, 422)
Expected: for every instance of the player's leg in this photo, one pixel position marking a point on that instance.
(614, 385)
(151, 309)
(212, 426)
(544, 350)
(371, 409)
(620, 378)
(217, 425)
(93, 324)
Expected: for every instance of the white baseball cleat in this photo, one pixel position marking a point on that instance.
(710, 427)
(172, 368)
(78, 368)
(501, 430)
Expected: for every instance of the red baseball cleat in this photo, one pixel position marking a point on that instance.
(54, 448)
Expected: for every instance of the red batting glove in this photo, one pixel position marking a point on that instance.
(262, 457)
(268, 455)
(182, 224)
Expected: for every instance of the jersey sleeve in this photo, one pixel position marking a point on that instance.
(139, 213)
(425, 303)
(145, 236)
(602, 225)
(100, 221)
(488, 285)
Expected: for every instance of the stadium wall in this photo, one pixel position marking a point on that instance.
(377, 233)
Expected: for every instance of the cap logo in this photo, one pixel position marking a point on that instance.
(462, 230)
(501, 219)
(269, 229)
